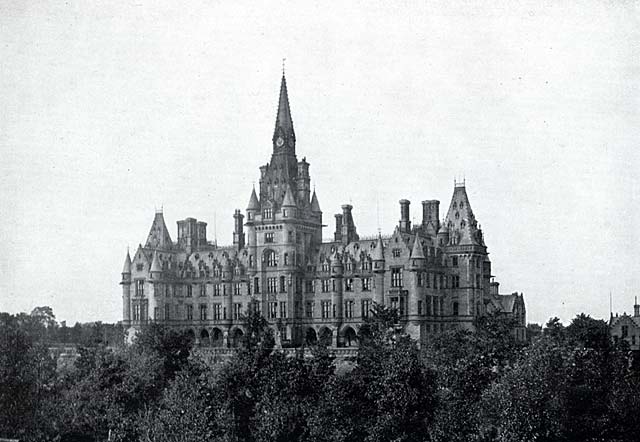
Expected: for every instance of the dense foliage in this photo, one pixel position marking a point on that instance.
(568, 383)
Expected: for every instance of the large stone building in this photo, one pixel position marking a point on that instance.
(626, 327)
(437, 274)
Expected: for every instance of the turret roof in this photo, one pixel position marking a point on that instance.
(127, 263)
(155, 264)
(417, 252)
(461, 219)
(315, 206)
(378, 252)
(254, 204)
(288, 200)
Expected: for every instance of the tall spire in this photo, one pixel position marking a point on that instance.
(283, 134)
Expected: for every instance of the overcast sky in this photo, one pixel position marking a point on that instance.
(109, 109)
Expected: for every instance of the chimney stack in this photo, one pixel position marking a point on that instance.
(405, 223)
(238, 233)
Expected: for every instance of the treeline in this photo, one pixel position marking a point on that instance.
(568, 384)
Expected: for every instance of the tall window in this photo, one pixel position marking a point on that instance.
(272, 284)
(326, 285)
(256, 285)
(139, 287)
(237, 310)
(420, 307)
(396, 277)
(420, 279)
(348, 309)
(283, 309)
(308, 286)
(625, 331)
(348, 285)
(271, 259)
(454, 261)
(236, 288)
(286, 259)
(156, 314)
(427, 279)
(396, 253)
(266, 213)
(136, 312)
(366, 265)
(366, 308)
(268, 237)
(216, 290)
(308, 309)
(189, 312)
(326, 309)
(283, 284)
(394, 303)
(366, 284)
(273, 310)
(203, 312)
(167, 312)
(217, 312)
(455, 309)
(189, 290)
(203, 290)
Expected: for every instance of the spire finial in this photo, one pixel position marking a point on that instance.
(283, 60)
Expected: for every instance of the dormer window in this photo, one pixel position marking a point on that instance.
(285, 213)
(266, 213)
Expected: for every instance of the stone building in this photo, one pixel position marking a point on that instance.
(437, 274)
(627, 327)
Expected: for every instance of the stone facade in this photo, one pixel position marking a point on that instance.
(626, 327)
(437, 273)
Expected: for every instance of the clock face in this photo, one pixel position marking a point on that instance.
(279, 142)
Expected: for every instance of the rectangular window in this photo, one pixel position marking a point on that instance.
(283, 309)
(325, 285)
(420, 307)
(478, 281)
(348, 285)
(366, 284)
(203, 290)
(454, 261)
(266, 213)
(286, 259)
(136, 312)
(256, 285)
(237, 310)
(394, 303)
(189, 290)
(428, 309)
(203, 312)
(396, 277)
(308, 309)
(348, 309)
(625, 331)
(420, 279)
(167, 312)
(455, 309)
(366, 308)
(326, 309)
(268, 237)
(283, 284)
(216, 290)
(308, 286)
(236, 289)
(272, 284)
(396, 253)
(156, 315)
(334, 310)
(217, 312)
(427, 280)
(189, 312)
(273, 310)
(139, 287)
(366, 265)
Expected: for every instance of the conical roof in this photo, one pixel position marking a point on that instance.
(288, 200)
(417, 252)
(315, 205)
(284, 123)
(155, 264)
(461, 219)
(378, 252)
(159, 237)
(127, 264)
(254, 204)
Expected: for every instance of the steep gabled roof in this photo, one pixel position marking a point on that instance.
(155, 264)
(159, 237)
(378, 252)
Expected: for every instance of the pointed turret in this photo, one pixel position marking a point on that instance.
(156, 268)
(378, 252)
(288, 200)
(283, 134)
(254, 204)
(126, 270)
(417, 252)
(315, 205)
(159, 237)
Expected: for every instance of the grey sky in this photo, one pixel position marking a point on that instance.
(111, 109)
